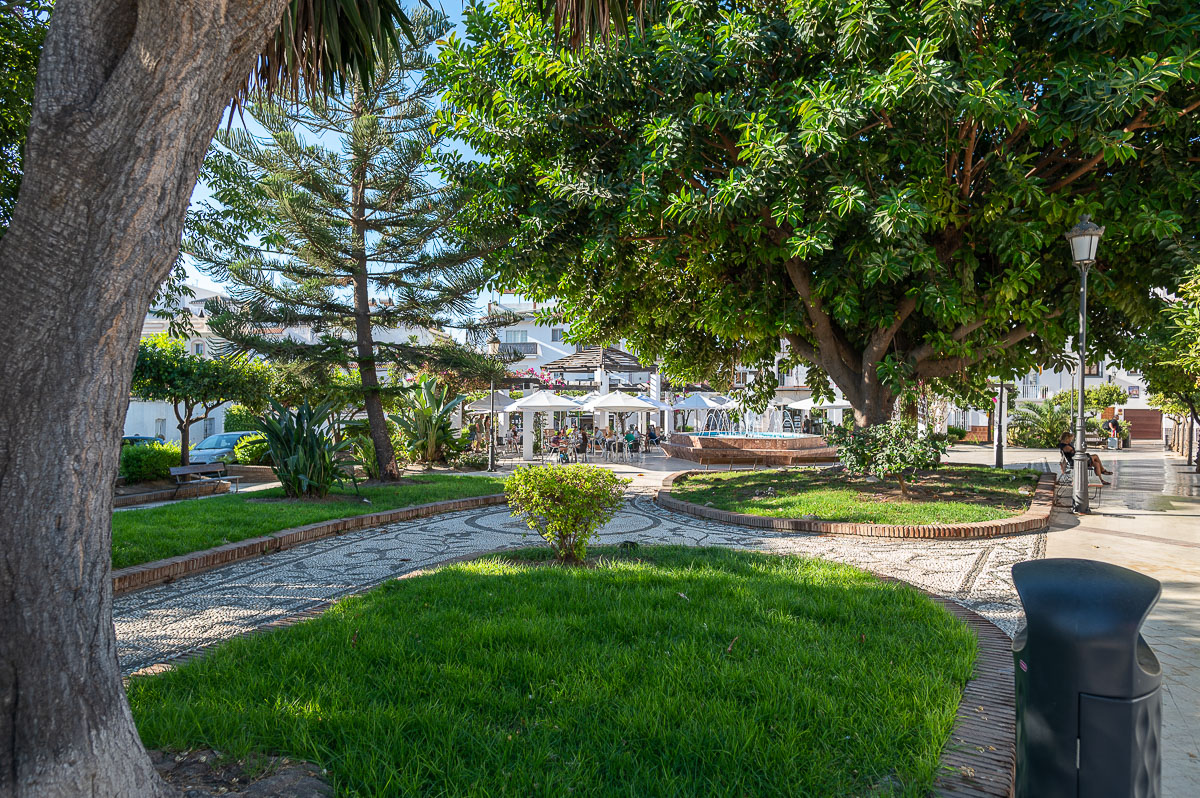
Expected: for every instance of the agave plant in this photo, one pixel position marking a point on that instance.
(304, 455)
(424, 423)
(1038, 425)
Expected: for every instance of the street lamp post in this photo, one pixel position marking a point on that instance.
(1084, 238)
(493, 346)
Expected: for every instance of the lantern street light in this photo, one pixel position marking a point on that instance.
(493, 346)
(1084, 239)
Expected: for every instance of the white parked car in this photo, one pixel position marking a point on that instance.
(215, 447)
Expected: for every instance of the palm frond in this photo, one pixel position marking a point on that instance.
(322, 43)
(595, 19)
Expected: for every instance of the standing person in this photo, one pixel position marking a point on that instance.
(1114, 427)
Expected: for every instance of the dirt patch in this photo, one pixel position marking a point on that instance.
(145, 487)
(204, 773)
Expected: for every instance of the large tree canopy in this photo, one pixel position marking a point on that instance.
(884, 185)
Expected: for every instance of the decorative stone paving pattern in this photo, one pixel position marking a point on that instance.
(162, 623)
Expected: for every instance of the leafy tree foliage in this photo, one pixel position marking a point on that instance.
(165, 371)
(1095, 397)
(335, 222)
(23, 26)
(1165, 356)
(882, 184)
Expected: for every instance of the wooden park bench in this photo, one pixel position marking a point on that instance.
(213, 471)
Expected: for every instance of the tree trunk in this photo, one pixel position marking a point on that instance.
(385, 455)
(128, 97)
(185, 433)
(872, 402)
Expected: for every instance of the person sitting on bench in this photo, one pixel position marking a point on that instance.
(1066, 445)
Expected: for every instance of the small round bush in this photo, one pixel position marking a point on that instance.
(252, 450)
(893, 449)
(145, 462)
(566, 505)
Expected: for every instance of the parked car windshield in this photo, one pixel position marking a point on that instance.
(226, 440)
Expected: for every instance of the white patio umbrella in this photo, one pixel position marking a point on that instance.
(697, 402)
(542, 401)
(658, 403)
(484, 405)
(618, 402)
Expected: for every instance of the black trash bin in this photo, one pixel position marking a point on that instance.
(1089, 709)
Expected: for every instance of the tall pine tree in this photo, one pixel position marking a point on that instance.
(334, 223)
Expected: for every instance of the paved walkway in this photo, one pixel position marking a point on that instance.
(1147, 521)
(159, 624)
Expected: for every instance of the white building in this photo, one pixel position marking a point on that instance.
(538, 343)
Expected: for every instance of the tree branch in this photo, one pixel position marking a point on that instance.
(882, 338)
(944, 367)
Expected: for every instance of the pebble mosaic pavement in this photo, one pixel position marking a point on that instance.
(157, 625)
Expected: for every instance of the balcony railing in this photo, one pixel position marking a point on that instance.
(525, 348)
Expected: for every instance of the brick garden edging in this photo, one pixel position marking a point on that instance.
(980, 758)
(1036, 518)
(136, 577)
(188, 490)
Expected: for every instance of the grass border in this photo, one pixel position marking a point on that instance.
(1035, 519)
(157, 572)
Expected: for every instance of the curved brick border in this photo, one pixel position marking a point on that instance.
(1037, 517)
(980, 758)
(148, 574)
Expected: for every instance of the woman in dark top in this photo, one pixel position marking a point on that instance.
(1066, 445)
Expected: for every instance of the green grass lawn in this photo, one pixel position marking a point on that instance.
(951, 494)
(144, 535)
(666, 671)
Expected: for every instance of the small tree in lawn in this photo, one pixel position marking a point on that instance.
(166, 372)
(893, 450)
(566, 505)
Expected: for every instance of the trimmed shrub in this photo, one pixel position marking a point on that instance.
(955, 434)
(566, 505)
(469, 460)
(893, 449)
(239, 418)
(252, 450)
(145, 462)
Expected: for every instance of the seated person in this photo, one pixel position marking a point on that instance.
(1066, 445)
(652, 435)
(631, 439)
(1113, 428)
